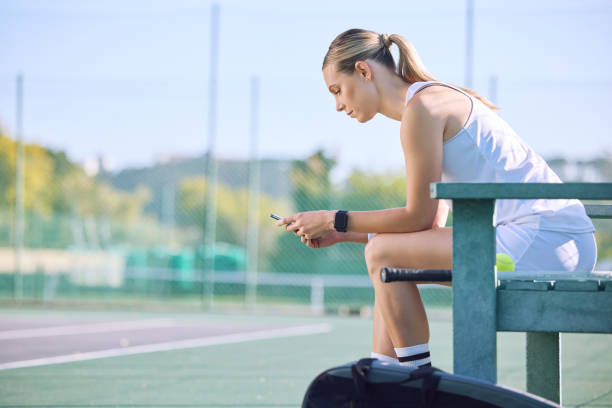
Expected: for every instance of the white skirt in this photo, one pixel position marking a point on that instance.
(548, 251)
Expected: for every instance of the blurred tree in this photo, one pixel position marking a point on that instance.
(7, 170)
(38, 174)
(373, 192)
(232, 211)
(56, 192)
(603, 235)
(312, 190)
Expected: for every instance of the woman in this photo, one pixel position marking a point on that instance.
(447, 134)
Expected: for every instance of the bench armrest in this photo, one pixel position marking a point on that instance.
(582, 191)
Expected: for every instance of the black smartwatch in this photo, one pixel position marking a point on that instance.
(341, 221)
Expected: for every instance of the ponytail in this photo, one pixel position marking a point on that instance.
(410, 67)
(360, 45)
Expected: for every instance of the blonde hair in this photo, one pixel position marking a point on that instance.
(360, 45)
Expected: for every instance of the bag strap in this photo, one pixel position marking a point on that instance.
(360, 370)
(429, 385)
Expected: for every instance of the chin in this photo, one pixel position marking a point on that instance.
(362, 119)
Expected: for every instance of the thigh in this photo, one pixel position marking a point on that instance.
(429, 249)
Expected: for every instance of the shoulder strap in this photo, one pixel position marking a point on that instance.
(422, 85)
(360, 371)
(429, 386)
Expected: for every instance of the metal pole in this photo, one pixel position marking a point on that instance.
(469, 46)
(253, 225)
(19, 193)
(168, 209)
(210, 232)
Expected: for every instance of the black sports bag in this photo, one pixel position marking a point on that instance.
(370, 383)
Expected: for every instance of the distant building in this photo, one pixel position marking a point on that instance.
(593, 171)
(163, 176)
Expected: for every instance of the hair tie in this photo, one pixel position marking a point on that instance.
(385, 40)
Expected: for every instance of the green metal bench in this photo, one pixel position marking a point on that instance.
(542, 305)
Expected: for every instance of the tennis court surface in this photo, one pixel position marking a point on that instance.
(64, 358)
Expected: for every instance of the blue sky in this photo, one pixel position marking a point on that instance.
(128, 80)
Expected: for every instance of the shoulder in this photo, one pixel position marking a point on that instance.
(430, 100)
(425, 110)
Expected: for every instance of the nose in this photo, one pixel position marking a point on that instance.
(340, 106)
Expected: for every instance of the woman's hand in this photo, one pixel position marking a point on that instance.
(309, 225)
(326, 240)
(441, 215)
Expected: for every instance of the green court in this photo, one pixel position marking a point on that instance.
(247, 371)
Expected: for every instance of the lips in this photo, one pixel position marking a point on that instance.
(350, 113)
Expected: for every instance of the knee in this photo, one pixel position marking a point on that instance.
(374, 252)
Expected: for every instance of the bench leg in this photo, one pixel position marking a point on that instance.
(474, 295)
(544, 365)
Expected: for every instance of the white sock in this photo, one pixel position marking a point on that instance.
(414, 356)
(384, 358)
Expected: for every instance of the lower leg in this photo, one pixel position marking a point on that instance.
(399, 303)
(382, 348)
(407, 333)
(403, 313)
(405, 321)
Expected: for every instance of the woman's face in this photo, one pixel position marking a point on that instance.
(355, 94)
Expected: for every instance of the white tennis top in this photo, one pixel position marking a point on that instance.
(488, 150)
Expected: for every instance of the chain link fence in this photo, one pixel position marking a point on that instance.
(138, 235)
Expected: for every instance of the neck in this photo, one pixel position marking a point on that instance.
(393, 98)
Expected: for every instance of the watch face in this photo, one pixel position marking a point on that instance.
(341, 221)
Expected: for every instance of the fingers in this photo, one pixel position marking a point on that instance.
(286, 221)
(292, 224)
(299, 230)
(305, 238)
(311, 243)
(292, 227)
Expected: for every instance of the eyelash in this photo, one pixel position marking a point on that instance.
(337, 92)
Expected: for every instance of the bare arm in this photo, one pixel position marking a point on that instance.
(335, 237)
(421, 137)
(359, 237)
(441, 215)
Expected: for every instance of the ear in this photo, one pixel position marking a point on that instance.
(364, 70)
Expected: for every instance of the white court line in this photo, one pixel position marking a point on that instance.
(86, 328)
(174, 345)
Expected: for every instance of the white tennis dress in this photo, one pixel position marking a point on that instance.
(539, 235)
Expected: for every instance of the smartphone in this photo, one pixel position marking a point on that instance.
(276, 217)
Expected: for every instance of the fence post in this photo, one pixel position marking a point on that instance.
(253, 209)
(317, 296)
(19, 193)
